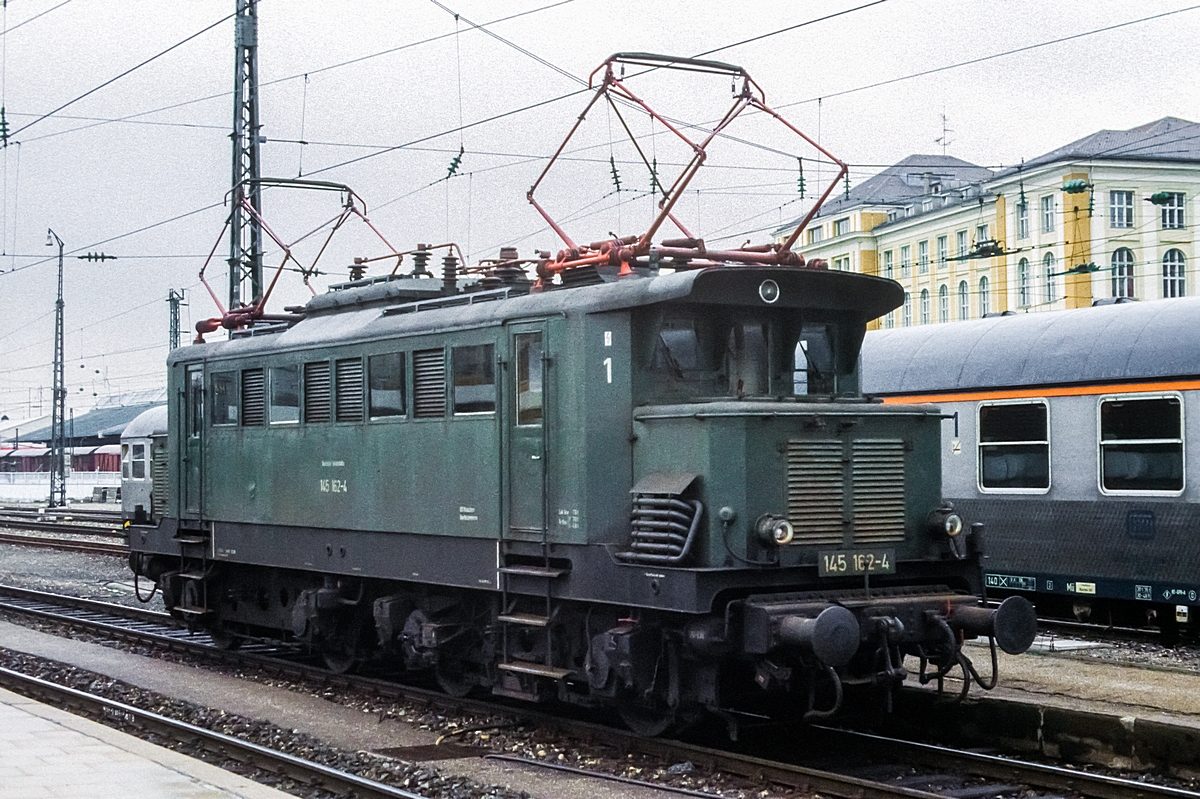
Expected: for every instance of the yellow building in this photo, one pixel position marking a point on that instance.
(1101, 219)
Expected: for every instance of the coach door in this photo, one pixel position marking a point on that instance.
(192, 422)
(526, 423)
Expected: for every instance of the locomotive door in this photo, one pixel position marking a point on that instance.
(526, 422)
(192, 424)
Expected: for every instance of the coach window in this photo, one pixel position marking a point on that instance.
(386, 392)
(285, 394)
(474, 370)
(1014, 446)
(224, 398)
(138, 462)
(1141, 444)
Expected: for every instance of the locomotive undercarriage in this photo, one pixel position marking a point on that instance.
(774, 655)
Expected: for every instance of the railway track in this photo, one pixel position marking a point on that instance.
(67, 544)
(64, 529)
(912, 770)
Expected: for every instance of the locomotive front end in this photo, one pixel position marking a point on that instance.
(829, 551)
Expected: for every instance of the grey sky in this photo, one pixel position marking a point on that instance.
(93, 182)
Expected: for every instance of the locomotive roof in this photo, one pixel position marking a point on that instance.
(1119, 342)
(844, 295)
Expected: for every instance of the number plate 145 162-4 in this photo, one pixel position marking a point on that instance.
(842, 563)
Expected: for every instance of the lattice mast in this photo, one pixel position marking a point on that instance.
(58, 413)
(245, 229)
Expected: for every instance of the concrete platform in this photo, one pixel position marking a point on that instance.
(46, 753)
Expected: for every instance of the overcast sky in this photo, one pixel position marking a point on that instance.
(110, 171)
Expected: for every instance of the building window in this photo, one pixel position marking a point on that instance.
(841, 227)
(1141, 444)
(906, 318)
(964, 301)
(814, 234)
(984, 310)
(1014, 445)
(1048, 268)
(1172, 211)
(981, 233)
(224, 396)
(942, 251)
(842, 264)
(889, 321)
(905, 260)
(924, 306)
(1122, 272)
(887, 264)
(474, 378)
(960, 244)
(1120, 209)
(385, 385)
(1174, 284)
(923, 257)
(1048, 213)
(1023, 287)
(944, 303)
(1022, 220)
(285, 394)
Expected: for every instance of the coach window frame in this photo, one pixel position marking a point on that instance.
(1182, 441)
(979, 445)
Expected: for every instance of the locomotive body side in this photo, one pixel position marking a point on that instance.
(619, 494)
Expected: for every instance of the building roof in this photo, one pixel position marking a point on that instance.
(1167, 139)
(1111, 343)
(905, 180)
(99, 423)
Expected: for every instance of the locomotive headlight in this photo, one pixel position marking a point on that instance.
(773, 529)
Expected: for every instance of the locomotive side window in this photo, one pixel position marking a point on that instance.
(224, 398)
(285, 394)
(1014, 446)
(349, 385)
(474, 378)
(529, 379)
(254, 399)
(429, 384)
(385, 374)
(316, 392)
(1141, 444)
(813, 361)
(195, 378)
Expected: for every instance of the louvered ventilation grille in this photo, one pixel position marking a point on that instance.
(158, 480)
(254, 398)
(815, 491)
(349, 374)
(429, 384)
(878, 491)
(316, 392)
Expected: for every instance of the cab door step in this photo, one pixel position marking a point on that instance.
(536, 669)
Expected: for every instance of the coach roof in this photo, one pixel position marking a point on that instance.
(1120, 342)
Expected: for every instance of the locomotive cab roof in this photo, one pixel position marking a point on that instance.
(413, 306)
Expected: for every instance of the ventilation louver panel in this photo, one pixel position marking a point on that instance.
(349, 376)
(159, 479)
(316, 392)
(254, 398)
(878, 474)
(429, 384)
(815, 491)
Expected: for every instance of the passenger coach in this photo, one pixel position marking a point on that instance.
(1068, 435)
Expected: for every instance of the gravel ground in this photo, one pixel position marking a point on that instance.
(101, 577)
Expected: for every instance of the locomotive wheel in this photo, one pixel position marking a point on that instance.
(454, 677)
(223, 639)
(340, 649)
(642, 718)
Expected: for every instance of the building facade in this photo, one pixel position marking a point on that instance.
(1104, 218)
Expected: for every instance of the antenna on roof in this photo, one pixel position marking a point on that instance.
(944, 139)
